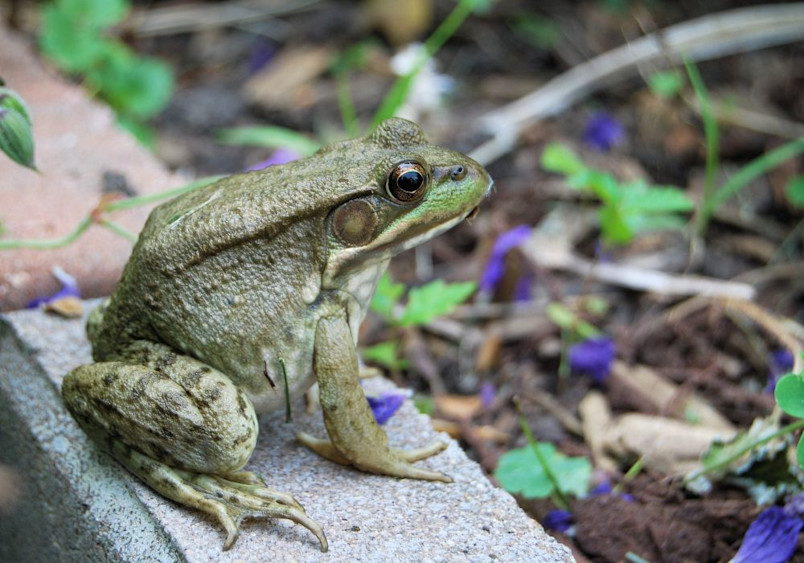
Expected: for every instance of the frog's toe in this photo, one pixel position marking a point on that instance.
(241, 500)
(418, 454)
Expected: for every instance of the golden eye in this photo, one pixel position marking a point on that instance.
(407, 182)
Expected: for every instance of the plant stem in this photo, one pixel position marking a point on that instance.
(560, 499)
(137, 201)
(399, 91)
(46, 244)
(792, 427)
(118, 229)
(712, 144)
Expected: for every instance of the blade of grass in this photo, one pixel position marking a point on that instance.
(756, 167)
(399, 91)
(712, 136)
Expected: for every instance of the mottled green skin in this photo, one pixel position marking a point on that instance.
(241, 286)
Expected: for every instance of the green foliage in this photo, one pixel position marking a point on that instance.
(714, 197)
(666, 84)
(73, 35)
(627, 208)
(755, 459)
(424, 303)
(526, 471)
(795, 191)
(433, 300)
(790, 397)
(386, 354)
(274, 137)
(540, 31)
(567, 320)
(16, 135)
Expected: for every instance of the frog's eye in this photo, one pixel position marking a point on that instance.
(407, 182)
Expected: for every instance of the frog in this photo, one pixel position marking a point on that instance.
(240, 296)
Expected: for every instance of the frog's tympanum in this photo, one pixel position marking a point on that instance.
(241, 295)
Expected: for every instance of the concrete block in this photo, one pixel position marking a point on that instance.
(78, 504)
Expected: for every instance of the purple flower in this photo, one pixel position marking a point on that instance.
(385, 406)
(495, 267)
(261, 54)
(795, 505)
(771, 538)
(279, 156)
(593, 356)
(603, 131)
(605, 488)
(487, 394)
(522, 289)
(558, 520)
(780, 362)
(69, 288)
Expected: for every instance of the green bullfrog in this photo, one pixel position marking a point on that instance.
(241, 295)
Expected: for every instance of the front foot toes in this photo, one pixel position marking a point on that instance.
(383, 461)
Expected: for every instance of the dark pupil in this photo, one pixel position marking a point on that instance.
(410, 181)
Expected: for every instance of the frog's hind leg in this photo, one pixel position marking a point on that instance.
(184, 429)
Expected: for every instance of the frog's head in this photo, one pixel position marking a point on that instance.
(412, 191)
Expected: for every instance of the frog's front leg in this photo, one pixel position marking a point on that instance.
(184, 429)
(355, 437)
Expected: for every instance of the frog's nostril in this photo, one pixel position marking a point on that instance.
(458, 173)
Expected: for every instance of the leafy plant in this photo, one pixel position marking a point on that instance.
(538, 470)
(74, 35)
(628, 208)
(714, 197)
(790, 398)
(353, 58)
(424, 303)
(666, 84)
(16, 136)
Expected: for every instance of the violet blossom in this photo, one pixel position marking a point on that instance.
(495, 266)
(279, 156)
(771, 538)
(384, 406)
(780, 362)
(602, 131)
(558, 520)
(69, 288)
(593, 356)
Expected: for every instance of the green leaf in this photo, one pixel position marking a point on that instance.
(385, 354)
(666, 84)
(132, 85)
(614, 226)
(565, 319)
(67, 43)
(269, 136)
(795, 191)
(540, 31)
(652, 223)
(519, 471)
(656, 199)
(140, 131)
(16, 137)
(790, 394)
(386, 297)
(561, 160)
(9, 99)
(95, 13)
(433, 300)
(738, 455)
(425, 404)
(800, 452)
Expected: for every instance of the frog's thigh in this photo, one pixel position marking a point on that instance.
(355, 436)
(179, 412)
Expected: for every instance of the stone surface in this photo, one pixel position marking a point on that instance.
(80, 505)
(76, 142)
